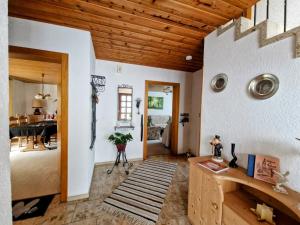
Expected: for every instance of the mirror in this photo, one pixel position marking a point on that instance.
(219, 82)
(125, 103)
(264, 86)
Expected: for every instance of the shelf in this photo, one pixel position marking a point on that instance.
(124, 127)
(232, 177)
(239, 204)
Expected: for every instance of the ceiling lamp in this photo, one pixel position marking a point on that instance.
(167, 89)
(42, 95)
(188, 58)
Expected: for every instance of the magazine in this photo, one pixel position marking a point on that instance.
(214, 166)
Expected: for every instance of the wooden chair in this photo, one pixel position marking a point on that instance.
(35, 118)
(13, 121)
(23, 121)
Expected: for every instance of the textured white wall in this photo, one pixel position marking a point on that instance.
(77, 44)
(276, 13)
(23, 94)
(256, 126)
(195, 118)
(5, 186)
(168, 98)
(135, 76)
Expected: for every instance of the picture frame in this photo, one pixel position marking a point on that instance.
(155, 102)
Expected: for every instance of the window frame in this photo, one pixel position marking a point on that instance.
(126, 107)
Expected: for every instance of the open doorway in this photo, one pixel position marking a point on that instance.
(38, 105)
(161, 115)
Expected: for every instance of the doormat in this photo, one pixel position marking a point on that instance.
(29, 208)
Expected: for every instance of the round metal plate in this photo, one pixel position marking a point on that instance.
(219, 82)
(264, 86)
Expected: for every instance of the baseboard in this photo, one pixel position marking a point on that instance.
(78, 197)
(111, 162)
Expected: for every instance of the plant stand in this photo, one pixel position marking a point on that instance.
(125, 163)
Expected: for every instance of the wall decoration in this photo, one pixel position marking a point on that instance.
(281, 181)
(264, 213)
(232, 163)
(155, 102)
(217, 148)
(138, 104)
(219, 82)
(264, 86)
(265, 167)
(184, 118)
(98, 85)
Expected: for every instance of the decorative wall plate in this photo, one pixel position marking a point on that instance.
(264, 86)
(219, 82)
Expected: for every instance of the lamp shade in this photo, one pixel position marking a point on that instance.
(38, 103)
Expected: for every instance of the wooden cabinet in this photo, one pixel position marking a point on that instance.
(226, 198)
(204, 198)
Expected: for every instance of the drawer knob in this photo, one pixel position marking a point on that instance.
(215, 205)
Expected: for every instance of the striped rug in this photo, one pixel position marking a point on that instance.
(140, 197)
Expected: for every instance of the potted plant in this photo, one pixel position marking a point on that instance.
(120, 140)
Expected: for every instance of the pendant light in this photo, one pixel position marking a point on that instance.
(42, 95)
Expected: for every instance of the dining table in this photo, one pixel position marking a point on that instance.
(43, 129)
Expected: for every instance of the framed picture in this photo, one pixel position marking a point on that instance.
(155, 102)
(264, 167)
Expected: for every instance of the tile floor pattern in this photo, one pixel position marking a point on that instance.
(87, 212)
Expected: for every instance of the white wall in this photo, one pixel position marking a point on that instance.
(134, 75)
(195, 115)
(276, 13)
(77, 44)
(5, 187)
(167, 110)
(18, 97)
(257, 126)
(23, 94)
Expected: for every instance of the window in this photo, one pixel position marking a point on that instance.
(125, 103)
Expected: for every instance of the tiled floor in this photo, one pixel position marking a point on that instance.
(157, 148)
(86, 212)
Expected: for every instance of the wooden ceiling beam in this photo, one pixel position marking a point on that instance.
(243, 4)
(145, 46)
(198, 14)
(183, 12)
(111, 31)
(121, 56)
(110, 49)
(141, 61)
(151, 10)
(215, 7)
(96, 8)
(131, 12)
(150, 64)
(147, 54)
(150, 43)
(36, 8)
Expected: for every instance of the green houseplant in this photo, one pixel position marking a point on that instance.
(120, 140)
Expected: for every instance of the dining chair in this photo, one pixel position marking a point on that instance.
(14, 122)
(23, 121)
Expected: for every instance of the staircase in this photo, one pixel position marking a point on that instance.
(269, 27)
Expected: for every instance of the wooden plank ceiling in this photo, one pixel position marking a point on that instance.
(159, 33)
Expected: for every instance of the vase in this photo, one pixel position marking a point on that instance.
(121, 147)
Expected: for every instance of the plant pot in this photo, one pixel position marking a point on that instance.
(121, 147)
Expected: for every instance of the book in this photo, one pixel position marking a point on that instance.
(251, 165)
(264, 167)
(213, 166)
